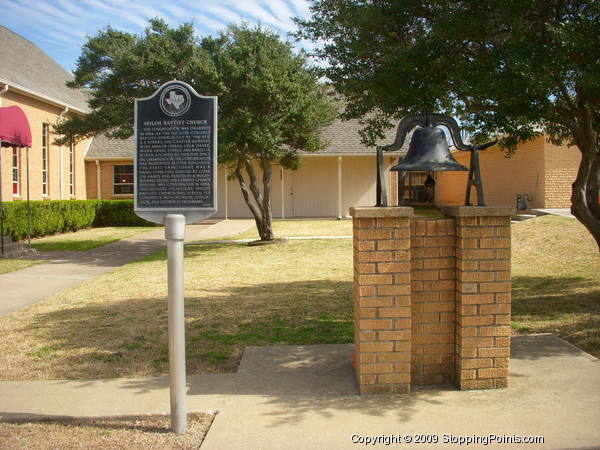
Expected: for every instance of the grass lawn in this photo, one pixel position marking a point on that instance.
(324, 227)
(12, 264)
(292, 228)
(299, 292)
(85, 239)
(556, 281)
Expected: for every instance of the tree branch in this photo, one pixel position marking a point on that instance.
(253, 180)
(246, 193)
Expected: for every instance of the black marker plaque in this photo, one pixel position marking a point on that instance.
(175, 157)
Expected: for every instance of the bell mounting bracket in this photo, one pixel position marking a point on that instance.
(432, 120)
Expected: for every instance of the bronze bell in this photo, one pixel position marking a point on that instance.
(428, 152)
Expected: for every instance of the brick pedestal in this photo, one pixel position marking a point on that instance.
(382, 310)
(431, 298)
(483, 296)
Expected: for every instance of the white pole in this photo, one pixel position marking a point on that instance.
(175, 234)
(98, 180)
(226, 199)
(282, 196)
(339, 187)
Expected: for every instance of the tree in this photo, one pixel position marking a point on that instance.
(513, 69)
(271, 105)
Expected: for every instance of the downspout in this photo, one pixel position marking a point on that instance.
(98, 180)
(2, 92)
(339, 188)
(282, 196)
(226, 197)
(62, 158)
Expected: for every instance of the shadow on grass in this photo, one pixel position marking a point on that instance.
(77, 246)
(114, 254)
(567, 306)
(129, 337)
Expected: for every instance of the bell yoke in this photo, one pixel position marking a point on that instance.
(429, 152)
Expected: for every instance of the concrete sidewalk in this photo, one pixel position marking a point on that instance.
(305, 397)
(563, 212)
(66, 269)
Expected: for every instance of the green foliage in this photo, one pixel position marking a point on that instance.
(117, 213)
(270, 102)
(47, 217)
(60, 216)
(117, 67)
(512, 69)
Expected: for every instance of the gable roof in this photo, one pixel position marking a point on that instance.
(342, 138)
(103, 147)
(26, 67)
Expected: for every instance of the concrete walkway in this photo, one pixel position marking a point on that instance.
(66, 269)
(305, 397)
(563, 212)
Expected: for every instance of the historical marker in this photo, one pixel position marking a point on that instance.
(175, 168)
(175, 154)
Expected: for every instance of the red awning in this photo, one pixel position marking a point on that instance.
(14, 127)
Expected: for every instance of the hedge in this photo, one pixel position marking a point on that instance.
(117, 213)
(59, 216)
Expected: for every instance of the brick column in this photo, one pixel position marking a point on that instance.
(432, 297)
(382, 302)
(483, 295)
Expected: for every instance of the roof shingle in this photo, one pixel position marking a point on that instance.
(26, 66)
(342, 138)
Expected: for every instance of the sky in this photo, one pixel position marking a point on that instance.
(60, 27)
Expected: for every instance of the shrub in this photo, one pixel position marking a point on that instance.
(59, 216)
(47, 217)
(112, 213)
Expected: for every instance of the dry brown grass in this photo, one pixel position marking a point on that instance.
(139, 433)
(556, 281)
(87, 239)
(116, 325)
(13, 264)
(291, 228)
(296, 293)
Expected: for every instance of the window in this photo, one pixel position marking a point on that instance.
(72, 169)
(45, 143)
(123, 179)
(16, 172)
(413, 188)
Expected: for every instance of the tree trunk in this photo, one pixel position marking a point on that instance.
(585, 195)
(259, 203)
(267, 214)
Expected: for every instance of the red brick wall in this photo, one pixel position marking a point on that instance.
(432, 290)
(382, 302)
(562, 164)
(483, 298)
(431, 298)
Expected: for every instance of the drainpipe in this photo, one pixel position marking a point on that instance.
(339, 187)
(62, 158)
(2, 92)
(98, 180)
(226, 197)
